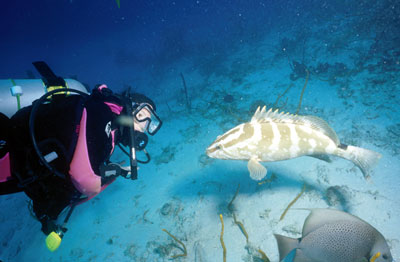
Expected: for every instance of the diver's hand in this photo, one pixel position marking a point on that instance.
(112, 170)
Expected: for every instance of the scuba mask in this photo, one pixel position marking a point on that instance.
(143, 121)
(146, 118)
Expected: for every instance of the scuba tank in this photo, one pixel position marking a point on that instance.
(18, 93)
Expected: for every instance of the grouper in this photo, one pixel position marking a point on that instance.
(274, 136)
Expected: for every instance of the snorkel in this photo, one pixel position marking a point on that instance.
(132, 150)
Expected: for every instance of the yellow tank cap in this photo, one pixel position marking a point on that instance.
(53, 241)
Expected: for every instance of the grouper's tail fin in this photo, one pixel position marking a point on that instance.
(363, 158)
(285, 245)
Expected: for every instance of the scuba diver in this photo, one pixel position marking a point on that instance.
(58, 149)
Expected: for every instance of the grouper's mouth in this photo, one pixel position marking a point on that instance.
(218, 152)
(210, 150)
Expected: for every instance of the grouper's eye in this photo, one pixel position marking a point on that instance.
(384, 256)
(218, 147)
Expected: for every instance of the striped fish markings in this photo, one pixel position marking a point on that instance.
(273, 136)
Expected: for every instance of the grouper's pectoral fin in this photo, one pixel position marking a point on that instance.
(257, 171)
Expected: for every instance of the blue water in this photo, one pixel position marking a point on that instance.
(234, 55)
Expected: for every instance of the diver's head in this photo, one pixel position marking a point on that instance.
(140, 115)
(144, 114)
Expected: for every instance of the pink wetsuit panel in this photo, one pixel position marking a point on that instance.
(82, 174)
(102, 86)
(116, 109)
(5, 172)
(102, 188)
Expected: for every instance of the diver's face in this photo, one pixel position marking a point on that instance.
(141, 126)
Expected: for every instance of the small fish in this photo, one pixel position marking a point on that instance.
(273, 136)
(331, 235)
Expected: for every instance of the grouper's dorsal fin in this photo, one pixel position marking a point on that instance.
(316, 123)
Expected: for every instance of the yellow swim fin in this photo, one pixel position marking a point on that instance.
(118, 3)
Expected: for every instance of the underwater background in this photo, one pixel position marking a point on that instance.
(341, 59)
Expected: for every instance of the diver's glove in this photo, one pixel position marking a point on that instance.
(111, 171)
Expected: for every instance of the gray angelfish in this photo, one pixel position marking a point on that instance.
(272, 136)
(331, 236)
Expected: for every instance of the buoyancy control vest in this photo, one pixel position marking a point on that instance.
(16, 94)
